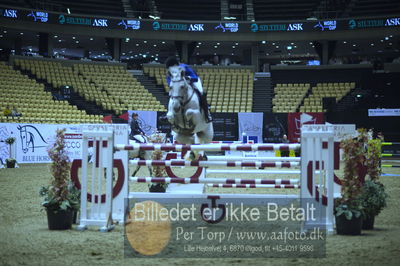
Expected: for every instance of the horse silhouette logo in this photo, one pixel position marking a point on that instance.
(31, 138)
(32, 14)
(319, 25)
(220, 27)
(133, 24)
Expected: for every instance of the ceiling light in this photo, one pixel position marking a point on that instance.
(372, 44)
(354, 45)
(273, 43)
(127, 39)
(1, 36)
(233, 47)
(218, 43)
(59, 40)
(237, 43)
(137, 44)
(4, 31)
(292, 43)
(344, 42)
(386, 38)
(163, 42)
(197, 46)
(68, 11)
(91, 39)
(155, 45)
(21, 33)
(76, 41)
(215, 46)
(277, 46)
(390, 43)
(73, 37)
(144, 41)
(55, 36)
(263, 42)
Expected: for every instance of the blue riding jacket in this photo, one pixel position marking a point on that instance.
(188, 72)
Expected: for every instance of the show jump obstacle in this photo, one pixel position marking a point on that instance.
(109, 145)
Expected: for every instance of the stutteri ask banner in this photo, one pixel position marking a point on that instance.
(251, 124)
(296, 120)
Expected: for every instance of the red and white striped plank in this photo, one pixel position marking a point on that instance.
(241, 158)
(180, 180)
(211, 163)
(251, 186)
(208, 147)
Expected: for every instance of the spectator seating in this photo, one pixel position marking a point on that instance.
(313, 103)
(121, 91)
(288, 97)
(34, 103)
(228, 89)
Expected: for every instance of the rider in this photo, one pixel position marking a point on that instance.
(195, 82)
(136, 132)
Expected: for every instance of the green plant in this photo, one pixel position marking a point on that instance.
(10, 140)
(11, 160)
(354, 157)
(158, 171)
(61, 194)
(373, 159)
(373, 198)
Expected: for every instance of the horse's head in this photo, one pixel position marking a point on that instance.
(178, 87)
(24, 138)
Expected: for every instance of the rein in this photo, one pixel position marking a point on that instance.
(185, 130)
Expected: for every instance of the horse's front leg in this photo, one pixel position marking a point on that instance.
(194, 117)
(170, 113)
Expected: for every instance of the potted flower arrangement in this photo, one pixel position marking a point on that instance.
(11, 162)
(348, 208)
(373, 194)
(158, 171)
(61, 198)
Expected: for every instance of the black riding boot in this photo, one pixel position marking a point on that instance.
(206, 108)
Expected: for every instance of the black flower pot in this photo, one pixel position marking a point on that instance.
(348, 227)
(368, 223)
(60, 220)
(160, 188)
(10, 164)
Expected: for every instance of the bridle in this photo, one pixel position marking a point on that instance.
(187, 129)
